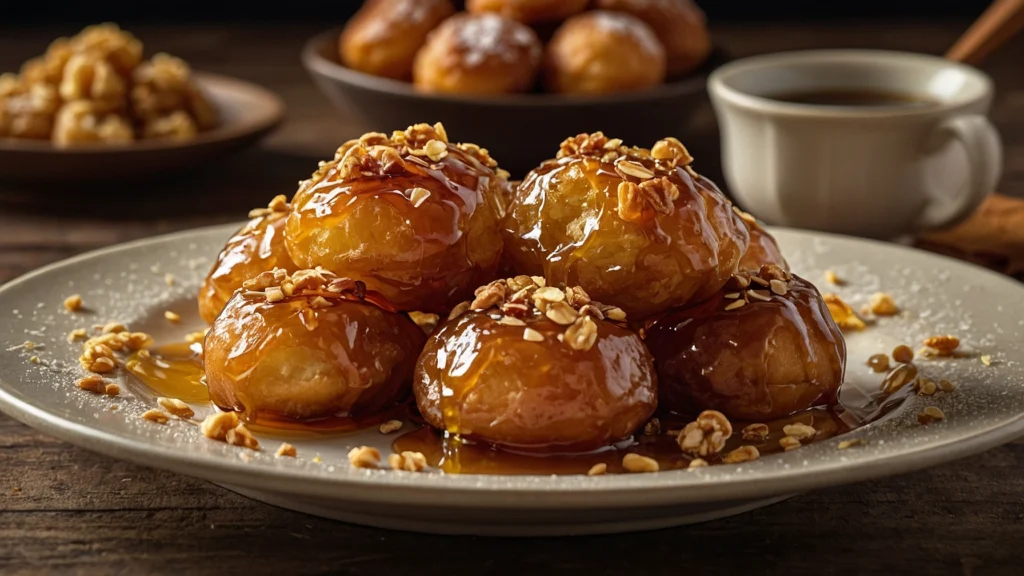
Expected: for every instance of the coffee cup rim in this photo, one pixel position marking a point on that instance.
(719, 84)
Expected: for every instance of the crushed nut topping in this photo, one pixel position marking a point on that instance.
(741, 454)
(514, 301)
(286, 450)
(881, 304)
(930, 414)
(92, 383)
(844, 316)
(73, 303)
(903, 354)
(176, 407)
(789, 443)
(240, 436)
(277, 208)
(850, 443)
(216, 426)
(706, 435)
(112, 389)
(942, 345)
(832, 278)
(391, 426)
(697, 463)
(598, 469)
(77, 334)
(639, 464)
(364, 457)
(408, 461)
(320, 287)
(878, 362)
(172, 316)
(157, 416)
(986, 360)
(768, 282)
(755, 432)
(799, 431)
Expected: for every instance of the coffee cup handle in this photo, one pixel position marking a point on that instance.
(980, 140)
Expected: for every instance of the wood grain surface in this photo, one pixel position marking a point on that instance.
(66, 510)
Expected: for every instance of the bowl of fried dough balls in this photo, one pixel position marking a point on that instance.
(96, 107)
(562, 315)
(515, 72)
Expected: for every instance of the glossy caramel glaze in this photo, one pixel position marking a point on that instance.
(566, 222)
(454, 455)
(422, 232)
(257, 247)
(759, 361)
(481, 380)
(762, 248)
(301, 359)
(171, 371)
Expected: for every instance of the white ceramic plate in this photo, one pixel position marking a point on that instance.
(126, 283)
(247, 113)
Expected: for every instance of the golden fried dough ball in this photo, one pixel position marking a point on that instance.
(529, 11)
(601, 52)
(534, 367)
(322, 351)
(636, 228)
(413, 216)
(88, 121)
(765, 346)
(679, 24)
(762, 249)
(383, 37)
(257, 247)
(478, 54)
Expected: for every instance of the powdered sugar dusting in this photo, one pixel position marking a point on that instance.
(623, 24)
(485, 36)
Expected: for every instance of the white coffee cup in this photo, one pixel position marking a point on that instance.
(877, 171)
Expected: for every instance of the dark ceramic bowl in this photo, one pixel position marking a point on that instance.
(520, 130)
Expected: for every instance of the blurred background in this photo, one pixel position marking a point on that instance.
(331, 12)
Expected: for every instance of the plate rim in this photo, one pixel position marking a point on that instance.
(571, 492)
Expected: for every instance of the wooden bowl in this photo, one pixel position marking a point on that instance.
(247, 113)
(520, 130)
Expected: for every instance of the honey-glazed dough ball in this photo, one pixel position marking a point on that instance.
(636, 228)
(478, 54)
(258, 247)
(529, 11)
(763, 347)
(412, 215)
(679, 24)
(383, 37)
(326, 350)
(600, 52)
(534, 367)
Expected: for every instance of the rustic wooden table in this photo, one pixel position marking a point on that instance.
(65, 509)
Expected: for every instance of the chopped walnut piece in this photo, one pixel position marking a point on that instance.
(636, 170)
(598, 469)
(77, 334)
(903, 354)
(112, 389)
(799, 431)
(92, 383)
(637, 463)
(73, 303)
(489, 295)
(286, 450)
(216, 426)
(102, 365)
(631, 202)
(789, 443)
(532, 335)
(706, 435)
(946, 386)
(832, 278)
(755, 432)
(157, 416)
(561, 313)
(697, 463)
(986, 360)
(582, 334)
(930, 414)
(841, 313)
(408, 461)
(943, 345)
(653, 427)
(391, 426)
(240, 436)
(364, 457)
(176, 407)
(881, 304)
(741, 454)
(850, 443)
(735, 304)
(172, 316)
